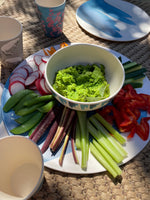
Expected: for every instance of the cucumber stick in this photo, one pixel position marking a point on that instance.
(134, 74)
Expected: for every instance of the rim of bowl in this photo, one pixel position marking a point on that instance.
(18, 22)
(80, 102)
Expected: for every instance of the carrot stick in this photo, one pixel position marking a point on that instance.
(60, 128)
(73, 143)
(43, 125)
(64, 146)
(62, 134)
(50, 135)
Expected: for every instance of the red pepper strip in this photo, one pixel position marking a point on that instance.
(132, 133)
(110, 114)
(143, 128)
(147, 100)
(119, 97)
(138, 102)
(117, 117)
(127, 125)
(107, 114)
(130, 92)
(137, 113)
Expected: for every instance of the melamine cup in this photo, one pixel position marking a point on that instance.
(21, 168)
(51, 14)
(11, 45)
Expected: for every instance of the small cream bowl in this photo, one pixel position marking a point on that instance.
(76, 54)
(21, 168)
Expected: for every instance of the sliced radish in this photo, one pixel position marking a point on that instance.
(32, 64)
(32, 87)
(22, 71)
(30, 80)
(17, 78)
(15, 87)
(37, 84)
(28, 68)
(41, 86)
(46, 86)
(36, 73)
(37, 59)
(16, 75)
(40, 74)
(42, 67)
(45, 59)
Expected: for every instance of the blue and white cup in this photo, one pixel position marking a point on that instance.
(51, 14)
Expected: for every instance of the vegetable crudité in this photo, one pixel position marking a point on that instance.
(95, 133)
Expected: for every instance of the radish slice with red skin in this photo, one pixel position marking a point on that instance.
(46, 86)
(45, 59)
(37, 59)
(32, 87)
(15, 87)
(30, 80)
(41, 87)
(16, 75)
(28, 68)
(42, 84)
(22, 71)
(37, 84)
(32, 64)
(42, 67)
(17, 78)
(40, 74)
(36, 73)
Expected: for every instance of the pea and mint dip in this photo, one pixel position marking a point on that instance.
(82, 83)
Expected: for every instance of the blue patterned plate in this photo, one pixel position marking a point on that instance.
(113, 20)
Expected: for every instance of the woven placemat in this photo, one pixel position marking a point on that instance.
(62, 186)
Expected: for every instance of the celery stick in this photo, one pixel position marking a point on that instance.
(78, 136)
(108, 158)
(119, 148)
(102, 160)
(105, 143)
(82, 117)
(109, 127)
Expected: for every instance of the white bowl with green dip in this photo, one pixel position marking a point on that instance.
(84, 77)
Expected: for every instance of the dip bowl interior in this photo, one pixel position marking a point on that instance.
(85, 54)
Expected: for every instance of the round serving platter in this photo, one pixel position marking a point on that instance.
(113, 20)
(133, 146)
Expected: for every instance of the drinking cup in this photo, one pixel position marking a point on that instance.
(21, 168)
(11, 45)
(51, 14)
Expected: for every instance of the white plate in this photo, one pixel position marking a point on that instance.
(113, 20)
(133, 147)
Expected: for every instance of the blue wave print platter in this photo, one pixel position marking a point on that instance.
(113, 20)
